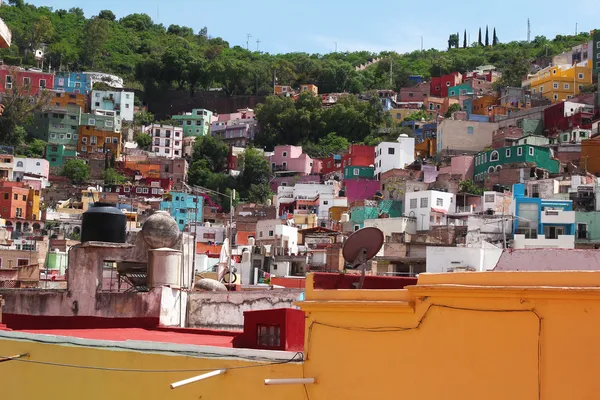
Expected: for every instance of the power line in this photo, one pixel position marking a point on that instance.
(156, 371)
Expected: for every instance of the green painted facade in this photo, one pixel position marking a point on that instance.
(531, 126)
(493, 160)
(460, 90)
(592, 228)
(359, 214)
(108, 123)
(196, 123)
(57, 125)
(57, 154)
(351, 172)
(57, 261)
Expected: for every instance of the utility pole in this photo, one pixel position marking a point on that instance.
(421, 43)
(528, 30)
(248, 36)
(257, 44)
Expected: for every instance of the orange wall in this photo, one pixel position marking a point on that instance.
(63, 99)
(86, 133)
(481, 105)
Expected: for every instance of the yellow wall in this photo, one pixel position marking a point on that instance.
(548, 77)
(33, 207)
(20, 380)
(398, 114)
(455, 336)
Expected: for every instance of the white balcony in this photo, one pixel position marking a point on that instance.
(5, 35)
(561, 242)
(552, 217)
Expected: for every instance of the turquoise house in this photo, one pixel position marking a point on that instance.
(464, 89)
(184, 208)
(587, 226)
(493, 160)
(356, 172)
(57, 154)
(370, 209)
(196, 123)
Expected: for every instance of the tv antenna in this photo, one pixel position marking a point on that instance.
(528, 30)
(360, 247)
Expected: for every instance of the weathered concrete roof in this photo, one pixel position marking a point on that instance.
(549, 260)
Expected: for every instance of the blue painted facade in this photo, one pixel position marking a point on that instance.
(542, 204)
(421, 131)
(182, 207)
(415, 78)
(73, 82)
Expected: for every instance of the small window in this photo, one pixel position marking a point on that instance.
(91, 121)
(470, 130)
(520, 150)
(580, 76)
(270, 233)
(26, 81)
(269, 336)
(284, 154)
(356, 171)
(439, 202)
(507, 153)
(325, 202)
(566, 86)
(42, 83)
(555, 97)
(495, 156)
(413, 203)
(424, 202)
(531, 151)
(555, 85)
(391, 150)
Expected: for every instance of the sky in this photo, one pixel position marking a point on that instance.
(315, 26)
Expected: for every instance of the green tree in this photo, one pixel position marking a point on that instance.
(453, 41)
(143, 141)
(107, 14)
(255, 169)
(326, 146)
(32, 148)
(259, 193)
(487, 36)
(495, 39)
(212, 150)
(479, 41)
(418, 116)
(451, 110)
(76, 170)
(97, 32)
(112, 177)
(465, 40)
(467, 186)
(143, 118)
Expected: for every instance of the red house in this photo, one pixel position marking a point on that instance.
(147, 187)
(565, 115)
(25, 81)
(438, 86)
(359, 156)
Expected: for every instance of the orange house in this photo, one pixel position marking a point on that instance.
(590, 155)
(439, 105)
(63, 99)
(92, 140)
(309, 88)
(283, 90)
(481, 105)
(426, 149)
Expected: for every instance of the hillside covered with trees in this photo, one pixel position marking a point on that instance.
(155, 58)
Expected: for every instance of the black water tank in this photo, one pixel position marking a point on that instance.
(103, 222)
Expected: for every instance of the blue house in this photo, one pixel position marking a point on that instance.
(184, 208)
(542, 222)
(73, 82)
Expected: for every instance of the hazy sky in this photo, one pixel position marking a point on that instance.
(314, 25)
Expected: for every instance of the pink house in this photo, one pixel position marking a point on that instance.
(361, 189)
(292, 159)
(460, 165)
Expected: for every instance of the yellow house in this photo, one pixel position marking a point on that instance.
(560, 82)
(455, 336)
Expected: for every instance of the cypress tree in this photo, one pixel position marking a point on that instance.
(465, 40)
(479, 39)
(487, 37)
(495, 39)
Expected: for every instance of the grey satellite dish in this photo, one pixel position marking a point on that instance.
(360, 247)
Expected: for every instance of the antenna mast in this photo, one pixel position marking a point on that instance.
(528, 30)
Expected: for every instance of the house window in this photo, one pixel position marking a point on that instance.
(489, 198)
(84, 149)
(437, 88)
(91, 121)
(495, 156)
(566, 86)
(138, 190)
(325, 202)
(268, 335)
(582, 231)
(424, 202)
(541, 89)
(8, 82)
(84, 139)
(26, 81)
(284, 154)
(107, 140)
(531, 151)
(356, 171)
(520, 150)
(42, 83)
(270, 233)
(555, 97)
(580, 76)
(127, 189)
(555, 86)
(391, 150)
(413, 203)
(491, 169)
(439, 202)
(470, 130)
(145, 190)
(108, 124)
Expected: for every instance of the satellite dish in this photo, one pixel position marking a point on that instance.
(360, 247)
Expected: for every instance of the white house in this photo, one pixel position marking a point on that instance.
(394, 155)
(36, 169)
(119, 101)
(167, 140)
(276, 233)
(311, 196)
(209, 233)
(453, 259)
(429, 207)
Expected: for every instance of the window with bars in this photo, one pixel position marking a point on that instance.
(269, 335)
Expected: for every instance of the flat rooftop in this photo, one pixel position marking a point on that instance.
(160, 335)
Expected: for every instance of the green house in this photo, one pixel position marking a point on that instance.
(371, 209)
(57, 125)
(57, 154)
(460, 90)
(351, 172)
(494, 160)
(196, 123)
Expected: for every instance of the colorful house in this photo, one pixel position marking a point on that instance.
(63, 99)
(119, 101)
(92, 140)
(24, 81)
(57, 154)
(184, 208)
(292, 159)
(357, 172)
(57, 125)
(493, 160)
(309, 88)
(373, 209)
(195, 123)
(560, 82)
(464, 89)
(439, 85)
(482, 104)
